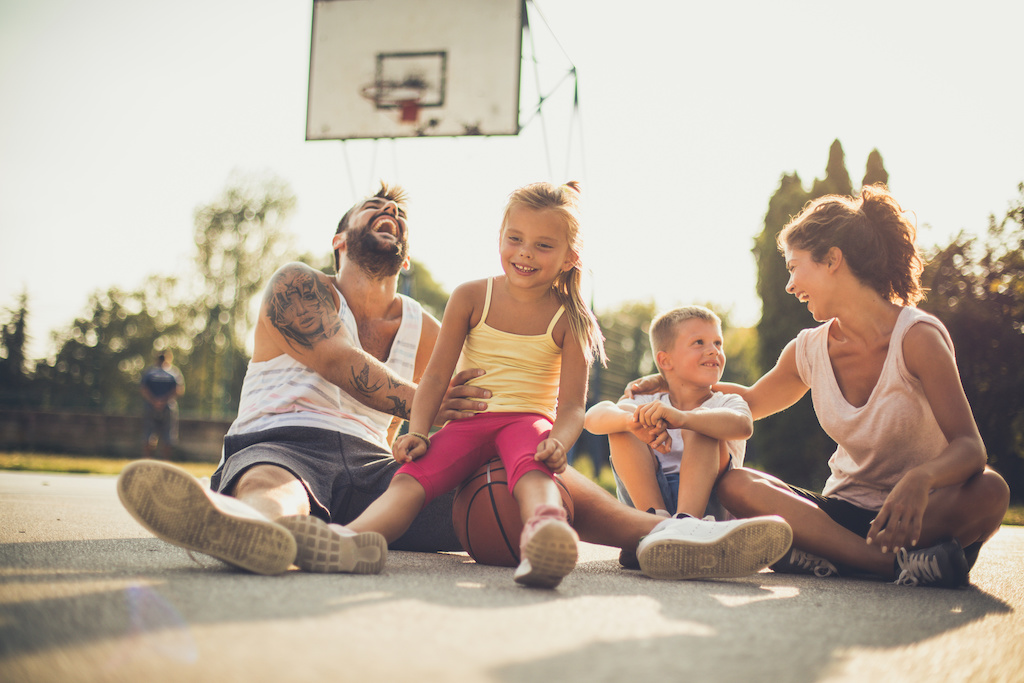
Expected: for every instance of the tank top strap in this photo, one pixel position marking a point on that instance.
(487, 300)
(554, 319)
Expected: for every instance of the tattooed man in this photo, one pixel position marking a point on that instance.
(331, 379)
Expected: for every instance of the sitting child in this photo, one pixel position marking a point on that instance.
(707, 429)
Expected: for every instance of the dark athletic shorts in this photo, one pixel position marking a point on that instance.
(342, 474)
(847, 515)
(858, 520)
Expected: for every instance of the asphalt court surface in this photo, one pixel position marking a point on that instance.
(86, 594)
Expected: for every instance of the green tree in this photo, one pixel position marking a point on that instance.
(101, 355)
(875, 173)
(791, 444)
(14, 374)
(418, 283)
(976, 287)
(234, 235)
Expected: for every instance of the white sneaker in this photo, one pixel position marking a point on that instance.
(331, 548)
(177, 508)
(690, 548)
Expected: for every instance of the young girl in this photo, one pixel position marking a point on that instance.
(909, 491)
(534, 336)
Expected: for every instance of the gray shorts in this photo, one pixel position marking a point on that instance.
(342, 474)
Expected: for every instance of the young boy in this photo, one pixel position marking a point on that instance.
(708, 429)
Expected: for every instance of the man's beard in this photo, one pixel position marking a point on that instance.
(377, 259)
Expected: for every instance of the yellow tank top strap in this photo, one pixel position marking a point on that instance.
(487, 301)
(554, 319)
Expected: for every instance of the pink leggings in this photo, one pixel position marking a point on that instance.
(461, 446)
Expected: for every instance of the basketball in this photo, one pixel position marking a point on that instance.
(486, 516)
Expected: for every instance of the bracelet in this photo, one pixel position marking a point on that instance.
(422, 437)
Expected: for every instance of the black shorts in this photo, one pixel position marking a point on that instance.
(847, 515)
(858, 520)
(342, 475)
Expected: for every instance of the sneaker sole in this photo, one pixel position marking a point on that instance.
(174, 507)
(548, 557)
(744, 550)
(323, 550)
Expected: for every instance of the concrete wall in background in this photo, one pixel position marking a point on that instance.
(103, 435)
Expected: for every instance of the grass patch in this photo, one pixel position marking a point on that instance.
(76, 464)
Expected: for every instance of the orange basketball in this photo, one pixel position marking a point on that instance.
(486, 516)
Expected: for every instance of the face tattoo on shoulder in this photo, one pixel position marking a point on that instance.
(300, 306)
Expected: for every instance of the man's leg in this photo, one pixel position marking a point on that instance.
(177, 508)
(272, 490)
(600, 518)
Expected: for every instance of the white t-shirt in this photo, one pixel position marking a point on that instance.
(670, 461)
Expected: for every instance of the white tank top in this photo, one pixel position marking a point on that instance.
(882, 439)
(282, 392)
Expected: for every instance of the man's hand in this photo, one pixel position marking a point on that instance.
(552, 453)
(459, 400)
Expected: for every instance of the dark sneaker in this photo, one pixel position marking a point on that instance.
(943, 566)
(800, 562)
(691, 548)
(177, 508)
(331, 548)
(627, 559)
(548, 547)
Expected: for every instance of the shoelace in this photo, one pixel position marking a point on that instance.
(917, 568)
(812, 563)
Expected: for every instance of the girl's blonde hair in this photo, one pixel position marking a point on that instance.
(874, 234)
(565, 201)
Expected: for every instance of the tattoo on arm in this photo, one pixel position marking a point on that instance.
(361, 383)
(300, 306)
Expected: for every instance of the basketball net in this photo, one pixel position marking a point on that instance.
(410, 111)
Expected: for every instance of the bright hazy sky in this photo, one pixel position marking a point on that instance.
(118, 118)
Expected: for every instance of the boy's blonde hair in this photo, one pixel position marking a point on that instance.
(565, 201)
(663, 328)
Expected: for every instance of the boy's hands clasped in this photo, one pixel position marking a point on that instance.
(651, 422)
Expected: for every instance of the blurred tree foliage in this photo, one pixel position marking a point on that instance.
(14, 375)
(791, 444)
(976, 287)
(234, 235)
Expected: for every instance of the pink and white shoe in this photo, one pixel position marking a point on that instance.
(547, 547)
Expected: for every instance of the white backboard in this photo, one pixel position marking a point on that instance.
(408, 68)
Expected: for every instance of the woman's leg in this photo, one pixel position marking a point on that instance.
(748, 493)
(970, 512)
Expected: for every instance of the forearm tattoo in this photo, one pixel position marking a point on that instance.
(361, 383)
(300, 306)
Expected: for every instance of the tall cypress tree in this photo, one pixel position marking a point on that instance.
(791, 444)
(875, 171)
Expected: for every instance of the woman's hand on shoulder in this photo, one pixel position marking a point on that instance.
(649, 384)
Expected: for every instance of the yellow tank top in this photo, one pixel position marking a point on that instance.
(522, 369)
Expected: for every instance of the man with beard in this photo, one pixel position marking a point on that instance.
(330, 381)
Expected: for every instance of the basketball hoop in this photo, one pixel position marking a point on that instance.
(410, 111)
(406, 97)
